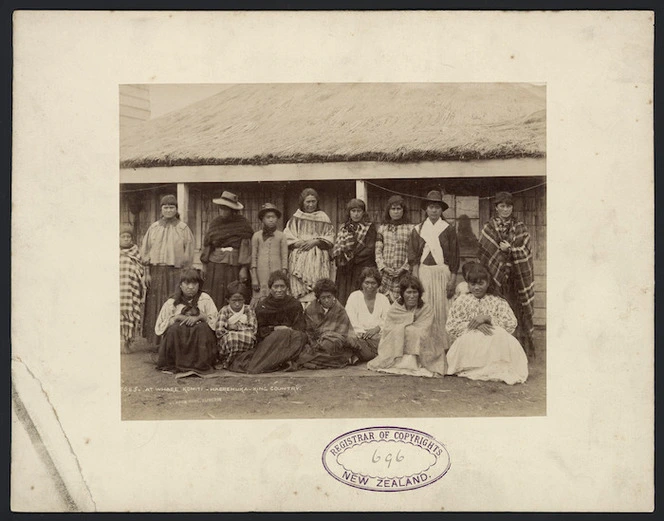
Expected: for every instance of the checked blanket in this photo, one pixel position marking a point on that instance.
(516, 264)
(350, 238)
(131, 291)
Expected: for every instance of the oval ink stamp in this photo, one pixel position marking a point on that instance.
(386, 459)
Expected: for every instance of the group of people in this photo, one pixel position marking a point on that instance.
(265, 301)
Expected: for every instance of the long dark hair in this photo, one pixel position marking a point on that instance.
(475, 272)
(407, 282)
(188, 275)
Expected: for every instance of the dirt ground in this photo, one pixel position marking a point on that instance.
(148, 394)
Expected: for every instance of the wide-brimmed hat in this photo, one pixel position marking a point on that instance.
(434, 196)
(268, 207)
(229, 199)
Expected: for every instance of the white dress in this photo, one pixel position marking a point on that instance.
(474, 355)
(359, 315)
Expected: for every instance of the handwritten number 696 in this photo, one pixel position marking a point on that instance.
(388, 458)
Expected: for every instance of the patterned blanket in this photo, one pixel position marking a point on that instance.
(516, 263)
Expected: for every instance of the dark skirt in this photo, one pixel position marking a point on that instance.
(329, 352)
(188, 348)
(348, 279)
(164, 282)
(367, 348)
(271, 354)
(217, 278)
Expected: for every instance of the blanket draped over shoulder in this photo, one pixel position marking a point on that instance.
(226, 233)
(350, 239)
(306, 267)
(332, 339)
(407, 332)
(131, 291)
(516, 264)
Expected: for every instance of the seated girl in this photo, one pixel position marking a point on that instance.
(332, 340)
(406, 344)
(280, 336)
(366, 309)
(482, 325)
(186, 324)
(236, 324)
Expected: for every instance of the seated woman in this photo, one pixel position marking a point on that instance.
(332, 340)
(406, 345)
(483, 324)
(366, 309)
(186, 322)
(236, 324)
(280, 336)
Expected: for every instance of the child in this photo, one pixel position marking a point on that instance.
(482, 324)
(131, 286)
(269, 251)
(236, 324)
(462, 287)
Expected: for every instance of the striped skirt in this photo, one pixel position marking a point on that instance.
(434, 280)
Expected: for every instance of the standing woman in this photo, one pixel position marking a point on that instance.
(505, 250)
(310, 236)
(433, 252)
(354, 249)
(392, 246)
(131, 286)
(226, 254)
(167, 248)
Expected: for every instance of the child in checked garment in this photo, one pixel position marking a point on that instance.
(236, 324)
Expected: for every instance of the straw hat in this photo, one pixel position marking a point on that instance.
(229, 199)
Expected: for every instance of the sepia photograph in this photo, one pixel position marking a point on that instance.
(332, 250)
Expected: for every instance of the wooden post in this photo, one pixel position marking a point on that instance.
(361, 191)
(183, 201)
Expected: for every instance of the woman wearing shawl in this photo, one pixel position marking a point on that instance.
(354, 249)
(226, 254)
(406, 344)
(280, 336)
(310, 236)
(392, 246)
(332, 340)
(167, 248)
(187, 321)
(433, 252)
(504, 248)
(131, 286)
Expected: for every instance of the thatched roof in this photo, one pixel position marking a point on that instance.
(296, 123)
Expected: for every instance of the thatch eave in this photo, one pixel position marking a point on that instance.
(413, 156)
